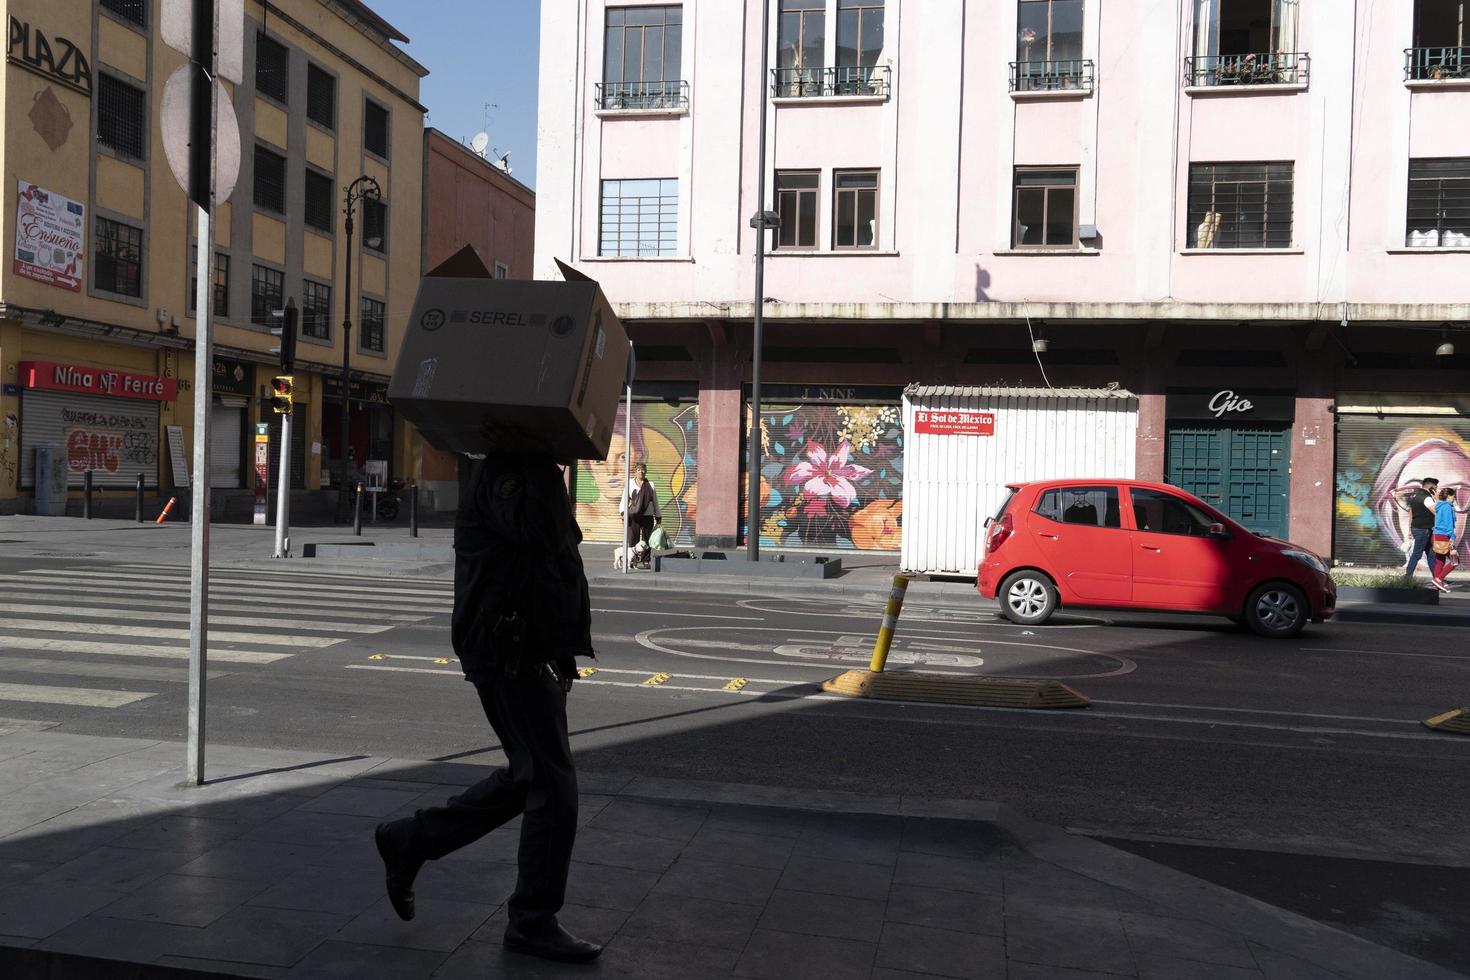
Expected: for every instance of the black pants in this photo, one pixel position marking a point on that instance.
(529, 714)
(639, 529)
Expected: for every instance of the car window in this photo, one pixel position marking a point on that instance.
(1087, 506)
(1000, 511)
(1164, 513)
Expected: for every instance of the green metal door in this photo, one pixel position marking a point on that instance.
(1245, 473)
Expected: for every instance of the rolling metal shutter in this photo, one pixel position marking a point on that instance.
(1377, 453)
(116, 438)
(666, 439)
(226, 437)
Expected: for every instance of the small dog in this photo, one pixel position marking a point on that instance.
(639, 556)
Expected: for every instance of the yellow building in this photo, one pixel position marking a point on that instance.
(96, 304)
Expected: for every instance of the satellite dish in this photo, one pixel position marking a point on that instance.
(480, 142)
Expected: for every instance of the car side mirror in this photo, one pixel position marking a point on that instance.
(1219, 531)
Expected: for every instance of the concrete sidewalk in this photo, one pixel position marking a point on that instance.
(113, 869)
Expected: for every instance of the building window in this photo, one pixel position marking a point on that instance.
(642, 58)
(1046, 209)
(1441, 36)
(640, 217)
(118, 263)
(221, 300)
(133, 11)
(855, 209)
(321, 97)
(272, 67)
(316, 310)
(502, 271)
(318, 209)
(371, 334)
(1244, 42)
(1439, 203)
(796, 202)
(1049, 47)
(270, 180)
(859, 34)
(1240, 205)
(120, 116)
(801, 43)
(374, 225)
(267, 294)
(375, 128)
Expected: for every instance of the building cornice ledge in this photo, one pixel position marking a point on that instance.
(1324, 312)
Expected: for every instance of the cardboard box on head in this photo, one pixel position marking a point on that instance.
(500, 364)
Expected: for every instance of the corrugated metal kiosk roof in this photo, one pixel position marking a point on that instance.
(999, 391)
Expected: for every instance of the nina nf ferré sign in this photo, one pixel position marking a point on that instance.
(954, 423)
(97, 381)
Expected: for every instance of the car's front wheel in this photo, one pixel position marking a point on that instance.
(1276, 609)
(1028, 598)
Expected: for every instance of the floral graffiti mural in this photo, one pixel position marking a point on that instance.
(832, 476)
(1377, 456)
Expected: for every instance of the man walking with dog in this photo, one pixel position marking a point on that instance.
(521, 616)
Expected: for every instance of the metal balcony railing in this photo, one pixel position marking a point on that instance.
(1052, 76)
(1280, 68)
(1436, 64)
(642, 95)
(873, 81)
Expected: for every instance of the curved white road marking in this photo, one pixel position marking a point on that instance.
(963, 617)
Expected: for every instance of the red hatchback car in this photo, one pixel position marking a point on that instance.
(1124, 544)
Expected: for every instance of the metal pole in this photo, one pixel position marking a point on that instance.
(357, 511)
(753, 485)
(342, 489)
(87, 495)
(138, 500)
(627, 480)
(283, 492)
(205, 30)
(413, 511)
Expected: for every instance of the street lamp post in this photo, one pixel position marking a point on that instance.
(762, 220)
(361, 188)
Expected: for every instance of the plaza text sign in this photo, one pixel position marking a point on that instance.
(97, 381)
(56, 58)
(954, 423)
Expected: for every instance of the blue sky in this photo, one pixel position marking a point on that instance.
(477, 52)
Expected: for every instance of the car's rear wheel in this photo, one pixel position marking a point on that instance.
(1028, 598)
(1276, 609)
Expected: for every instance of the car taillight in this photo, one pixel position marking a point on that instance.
(1000, 529)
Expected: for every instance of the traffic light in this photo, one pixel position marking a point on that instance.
(283, 388)
(287, 332)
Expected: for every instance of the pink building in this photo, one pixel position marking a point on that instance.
(1182, 198)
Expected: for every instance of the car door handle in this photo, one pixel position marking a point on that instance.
(1049, 537)
(1149, 547)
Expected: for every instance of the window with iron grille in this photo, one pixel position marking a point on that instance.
(374, 225)
(316, 310)
(1439, 203)
(134, 11)
(855, 209)
(118, 258)
(321, 97)
(318, 209)
(272, 67)
(371, 334)
(270, 180)
(1046, 209)
(120, 116)
(1240, 205)
(375, 128)
(267, 294)
(796, 202)
(641, 56)
(220, 283)
(640, 218)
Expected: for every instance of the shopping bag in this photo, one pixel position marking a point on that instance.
(659, 539)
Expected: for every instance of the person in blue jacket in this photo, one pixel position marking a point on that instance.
(1442, 542)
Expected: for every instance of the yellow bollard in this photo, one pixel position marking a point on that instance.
(890, 623)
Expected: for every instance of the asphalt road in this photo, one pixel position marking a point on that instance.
(1229, 756)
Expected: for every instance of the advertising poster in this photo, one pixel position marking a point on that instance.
(49, 237)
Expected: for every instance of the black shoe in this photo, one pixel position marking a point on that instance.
(553, 943)
(401, 872)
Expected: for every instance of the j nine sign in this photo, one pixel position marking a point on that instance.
(97, 381)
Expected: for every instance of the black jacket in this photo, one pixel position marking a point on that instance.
(515, 545)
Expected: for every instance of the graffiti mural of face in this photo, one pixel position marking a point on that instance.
(608, 473)
(1421, 452)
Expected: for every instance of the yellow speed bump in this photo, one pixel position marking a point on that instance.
(735, 683)
(657, 679)
(967, 689)
(586, 671)
(1455, 721)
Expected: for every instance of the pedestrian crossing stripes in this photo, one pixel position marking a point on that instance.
(117, 635)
